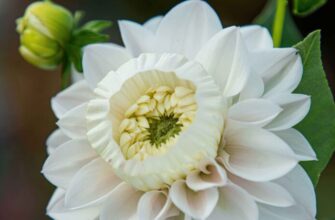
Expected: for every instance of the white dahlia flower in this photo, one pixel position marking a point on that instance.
(188, 121)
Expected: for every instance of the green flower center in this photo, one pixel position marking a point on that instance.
(162, 129)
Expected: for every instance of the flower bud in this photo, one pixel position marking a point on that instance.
(44, 31)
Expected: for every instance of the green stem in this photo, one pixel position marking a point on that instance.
(278, 22)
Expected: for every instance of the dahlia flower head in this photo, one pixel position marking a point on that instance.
(189, 120)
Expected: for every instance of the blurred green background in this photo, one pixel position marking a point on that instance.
(25, 91)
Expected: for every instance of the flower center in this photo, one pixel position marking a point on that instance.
(161, 129)
(155, 120)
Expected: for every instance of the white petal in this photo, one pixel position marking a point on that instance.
(225, 57)
(267, 212)
(136, 38)
(198, 204)
(234, 203)
(121, 204)
(187, 27)
(73, 122)
(55, 139)
(257, 155)
(298, 143)
(254, 87)
(211, 175)
(301, 188)
(287, 79)
(265, 192)
(256, 37)
(91, 184)
(57, 194)
(255, 112)
(71, 97)
(295, 108)
(152, 23)
(155, 205)
(100, 59)
(269, 62)
(66, 161)
(56, 209)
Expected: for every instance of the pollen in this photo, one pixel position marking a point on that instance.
(153, 123)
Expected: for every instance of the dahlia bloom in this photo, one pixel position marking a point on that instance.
(188, 121)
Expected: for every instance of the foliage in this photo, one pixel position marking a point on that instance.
(291, 34)
(319, 125)
(306, 7)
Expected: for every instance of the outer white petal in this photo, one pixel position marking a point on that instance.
(100, 59)
(187, 27)
(57, 209)
(257, 155)
(211, 174)
(265, 192)
(254, 87)
(153, 23)
(121, 204)
(198, 204)
(235, 204)
(73, 122)
(136, 38)
(156, 205)
(301, 188)
(55, 139)
(269, 62)
(298, 143)
(256, 37)
(295, 108)
(253, 112)
(66, 160)
(71, 97)
(290, 213)
(225, 57)
(91, 184)
(287, 79)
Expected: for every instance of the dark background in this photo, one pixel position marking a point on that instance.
(25, 91)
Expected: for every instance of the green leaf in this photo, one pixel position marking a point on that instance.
(76, 56)
(97, 25)
(291, 33)
(66, 72)
(84, 37)
(306, 7)
(319, 125)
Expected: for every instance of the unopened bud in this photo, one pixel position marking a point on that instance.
(44, 31)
